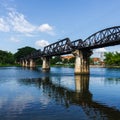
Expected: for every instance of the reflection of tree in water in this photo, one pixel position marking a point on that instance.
(112, 80)
(81, 97)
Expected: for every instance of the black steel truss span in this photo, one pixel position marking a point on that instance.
(103, 38)
(58, 48)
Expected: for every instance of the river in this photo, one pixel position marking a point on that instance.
(27, 94)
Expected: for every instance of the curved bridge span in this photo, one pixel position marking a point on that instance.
(102, 38)
(81, 49)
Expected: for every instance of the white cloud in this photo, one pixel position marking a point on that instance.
(19, 23)
(3, 25)
(41, 43)
(46, 28)
(13, 39)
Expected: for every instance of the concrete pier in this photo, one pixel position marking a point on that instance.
(23, 63)
(82, 61)
(46, 64)
(26, 63)
(32, 63)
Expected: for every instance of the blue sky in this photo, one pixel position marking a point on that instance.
(37, 23)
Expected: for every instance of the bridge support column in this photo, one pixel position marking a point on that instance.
(32, 63)
(26, 63)
(82, 61)
(23, 63)
(46, 64)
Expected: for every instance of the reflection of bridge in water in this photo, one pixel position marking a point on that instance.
(81, 96)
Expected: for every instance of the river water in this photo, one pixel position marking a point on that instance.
(27, 94)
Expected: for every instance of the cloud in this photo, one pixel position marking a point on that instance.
(13, 39)
(19, 23)
(4, 27)
(46, 28)
(41, 43)
(16, 22)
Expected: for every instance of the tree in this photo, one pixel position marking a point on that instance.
(23, 52)
(72, 60)
(56, 59)
(91, 61)
(112, 58)
(6, 57)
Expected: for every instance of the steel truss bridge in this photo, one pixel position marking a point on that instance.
(103, 38)
(81, 49)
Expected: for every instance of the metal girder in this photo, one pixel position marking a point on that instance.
(102, 38)
(58, 48)
(77, 44)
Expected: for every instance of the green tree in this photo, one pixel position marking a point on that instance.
(6, 57)
(72, 60)
(23, 52)
(65, 61)
(91, 61)
(56, 59)
(112, 58)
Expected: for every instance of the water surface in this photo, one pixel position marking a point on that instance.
(27, 94)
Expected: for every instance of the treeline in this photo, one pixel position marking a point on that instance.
(112, 59)
(6, 58)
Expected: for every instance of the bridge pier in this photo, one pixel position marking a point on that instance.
(82, 61)
(46, 64)
(26, 63)
(32, 63)
(23, 63)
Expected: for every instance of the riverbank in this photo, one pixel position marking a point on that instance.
(65, 65)
(103, 66)
(9, 65)
(97, 66)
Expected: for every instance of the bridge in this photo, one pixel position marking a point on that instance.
(81, 49)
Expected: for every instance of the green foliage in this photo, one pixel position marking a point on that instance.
(65, 61)
(58, 60)
(112, 58)
(72, 60)
(6, 57)
(91, 61)
(54, 60)
(38, 62)
(22, 52)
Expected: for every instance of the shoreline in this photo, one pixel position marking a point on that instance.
(103, 66)
(91, 66)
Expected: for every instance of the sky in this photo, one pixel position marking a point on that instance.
(37, 23)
